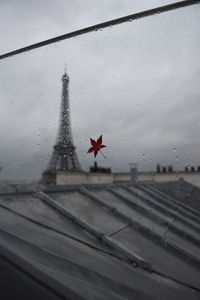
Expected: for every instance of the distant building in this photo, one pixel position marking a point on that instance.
(96, 169)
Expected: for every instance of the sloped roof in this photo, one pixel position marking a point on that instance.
(116, 241)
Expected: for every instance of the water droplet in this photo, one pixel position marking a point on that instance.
(143, 155)
(174, 149)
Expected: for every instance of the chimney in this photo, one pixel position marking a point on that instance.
(170, 169)
(158, 169)
(186, 169)
(134, 172)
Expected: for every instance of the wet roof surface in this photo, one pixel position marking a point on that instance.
(120, 241)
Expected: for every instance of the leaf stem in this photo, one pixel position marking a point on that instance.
(102, 154)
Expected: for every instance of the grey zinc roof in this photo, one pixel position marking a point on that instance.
(116, 241)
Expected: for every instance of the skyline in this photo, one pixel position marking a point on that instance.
(136, 84)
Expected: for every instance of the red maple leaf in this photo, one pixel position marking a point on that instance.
(96, 146)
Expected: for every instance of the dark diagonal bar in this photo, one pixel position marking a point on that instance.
(96, 27)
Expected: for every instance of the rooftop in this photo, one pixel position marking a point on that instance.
(115, 241)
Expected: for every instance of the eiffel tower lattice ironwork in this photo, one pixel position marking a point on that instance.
(64, 157)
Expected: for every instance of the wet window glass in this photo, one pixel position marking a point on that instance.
(99, 158)
(134, 83)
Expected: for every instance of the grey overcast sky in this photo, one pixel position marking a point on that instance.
(26, 22)
(136, 83)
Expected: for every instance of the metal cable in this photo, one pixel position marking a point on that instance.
(99, 26)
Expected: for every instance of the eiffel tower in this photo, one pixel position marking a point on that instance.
(64, 156)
